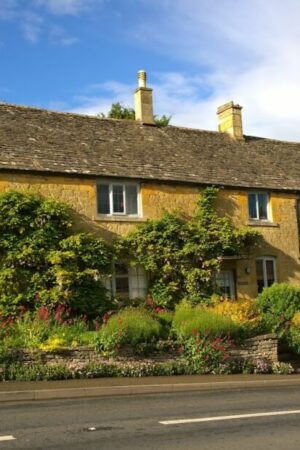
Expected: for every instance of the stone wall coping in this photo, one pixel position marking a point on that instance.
(262, 337)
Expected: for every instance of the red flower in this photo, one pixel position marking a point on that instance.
(43, 314)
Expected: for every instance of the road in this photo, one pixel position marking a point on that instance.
(134, 422)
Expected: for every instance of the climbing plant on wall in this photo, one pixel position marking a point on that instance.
(42, 262)
(183, 256)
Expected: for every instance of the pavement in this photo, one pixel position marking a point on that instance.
(11, 391)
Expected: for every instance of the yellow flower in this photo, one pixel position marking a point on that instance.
(296, 319)
(51, 344)
(243, 311)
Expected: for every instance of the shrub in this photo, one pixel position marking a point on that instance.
(184, 255)
(190, 320)
(31, 332)
(282, 368)
(26, 332)
(205, 355)
(44, 263)
(165, 318)
(33, 372)
(278, 304)
(244, 312)
(129, 326)
(293, 339)
(68, 335)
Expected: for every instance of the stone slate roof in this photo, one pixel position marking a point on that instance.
(36, 140)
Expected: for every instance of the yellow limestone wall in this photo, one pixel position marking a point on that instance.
(280, 239)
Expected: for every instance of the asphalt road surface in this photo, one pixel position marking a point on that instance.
(260, 419)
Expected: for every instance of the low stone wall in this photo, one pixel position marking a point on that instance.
(260, 347)
(263, 347)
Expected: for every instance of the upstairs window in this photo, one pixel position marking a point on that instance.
(121, 199)
(265, 272)
(258, 204)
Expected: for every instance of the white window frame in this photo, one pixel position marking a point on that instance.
(122, 183)
(110, 282)
(264, 259)
(269, 210)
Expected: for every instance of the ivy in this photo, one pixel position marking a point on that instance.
(43, 263)
(183, 256)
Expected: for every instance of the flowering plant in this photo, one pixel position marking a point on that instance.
(206, 355)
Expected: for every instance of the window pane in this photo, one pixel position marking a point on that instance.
(131, 199)
(260, 275)
(263, 206)
(122, 286)
(225, 284)
(103, 199)
(118, 200)
(121, 269)
(252, 206)
(121, 280)
(270, 272)
(137, 283)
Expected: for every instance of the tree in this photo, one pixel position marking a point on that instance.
(183, 256)
(42, 263)
(118, 111)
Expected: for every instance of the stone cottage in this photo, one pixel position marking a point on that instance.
(118, 173)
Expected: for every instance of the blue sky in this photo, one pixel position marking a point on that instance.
(82, 55)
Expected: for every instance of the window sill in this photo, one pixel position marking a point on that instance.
(119, 219)
(262, 223)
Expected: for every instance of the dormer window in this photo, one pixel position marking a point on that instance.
(259, 208)
(118, 199)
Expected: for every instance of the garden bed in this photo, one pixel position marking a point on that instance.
(255, 355)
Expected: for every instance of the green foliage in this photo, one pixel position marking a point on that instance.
(32, 333)
(162, 121)
(282, 368)
(33, 372)
(129, 326)
(37, 372)
(278, 304)
(43, 263)
(293, 339)
(118, 111)
(206, 355)
(215, 363)
(190, 321)
(183, 256)
(27, 332)
(166, 319)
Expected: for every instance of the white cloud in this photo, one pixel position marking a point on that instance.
(58, 35)
(68, 7)
(98, 98)
(249, 52)
(31, 25)
(7, 9)
(36, 17)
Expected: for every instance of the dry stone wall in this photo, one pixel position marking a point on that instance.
(263, 347)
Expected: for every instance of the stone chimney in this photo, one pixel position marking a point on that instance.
(143, 100)
(230, 120)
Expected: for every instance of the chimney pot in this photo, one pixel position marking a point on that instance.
(142, 78)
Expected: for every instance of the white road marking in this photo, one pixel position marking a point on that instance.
(234, 417)
(7, 438)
